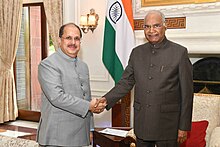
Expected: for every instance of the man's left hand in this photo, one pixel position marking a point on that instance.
(182, 136)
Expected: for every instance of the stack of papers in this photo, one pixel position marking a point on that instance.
(115, 132)
(13, 133)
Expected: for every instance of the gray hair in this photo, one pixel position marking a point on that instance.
(158, 12)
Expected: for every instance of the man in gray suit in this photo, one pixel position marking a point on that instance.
(66, 113)
(162, 75)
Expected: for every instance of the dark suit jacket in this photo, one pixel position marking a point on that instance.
(162, 75)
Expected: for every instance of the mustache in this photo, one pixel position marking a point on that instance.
(72, 45)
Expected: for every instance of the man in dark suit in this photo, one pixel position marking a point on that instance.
(162, 75)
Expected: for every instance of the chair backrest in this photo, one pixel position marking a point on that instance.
(207, 107)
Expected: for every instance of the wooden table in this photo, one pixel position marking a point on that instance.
(104, 140)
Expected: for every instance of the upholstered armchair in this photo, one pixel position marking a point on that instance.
(207, 107)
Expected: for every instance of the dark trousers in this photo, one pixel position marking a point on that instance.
(167, 143)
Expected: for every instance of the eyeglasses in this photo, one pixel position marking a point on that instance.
(69, 38)
(155, 26)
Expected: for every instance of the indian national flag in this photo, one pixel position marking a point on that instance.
(118, 37)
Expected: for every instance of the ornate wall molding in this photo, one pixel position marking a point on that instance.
(176, 23)
(197, 43)
(98, 92)
(138, 24)
(172, 23)
(176, 10)
(100, 78)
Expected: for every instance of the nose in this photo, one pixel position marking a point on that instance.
(73, 41)
(151, 29)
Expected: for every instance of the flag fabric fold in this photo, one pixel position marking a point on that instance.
(118, 37)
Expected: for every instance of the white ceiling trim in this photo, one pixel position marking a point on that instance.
(176, 10)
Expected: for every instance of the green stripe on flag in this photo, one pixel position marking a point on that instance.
(109, 57)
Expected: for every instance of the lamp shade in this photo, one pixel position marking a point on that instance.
(91, 20)
(83, 20)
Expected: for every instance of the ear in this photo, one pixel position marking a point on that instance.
(165, 25)
(59, 41)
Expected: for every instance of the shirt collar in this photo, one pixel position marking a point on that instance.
(66, 56)
(159, 45)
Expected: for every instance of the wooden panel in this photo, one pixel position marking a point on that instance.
(104, 140)
(127, 110)
(29, 115)
(121, 112)
(172, 23)
(118, 115)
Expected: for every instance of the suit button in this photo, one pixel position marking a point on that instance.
(148, 91)
(153, 52)
(151, 65)
(150, 78)
(148, 105)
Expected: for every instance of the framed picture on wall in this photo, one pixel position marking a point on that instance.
(147, 3)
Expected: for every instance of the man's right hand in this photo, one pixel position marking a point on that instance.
(98, 105)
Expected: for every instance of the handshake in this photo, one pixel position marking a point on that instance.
(98, 105)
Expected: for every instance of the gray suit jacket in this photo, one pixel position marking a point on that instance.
(65, 119)
(162, 75)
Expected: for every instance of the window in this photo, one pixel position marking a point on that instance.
(31, 50)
